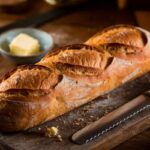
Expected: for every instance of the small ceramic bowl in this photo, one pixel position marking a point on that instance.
(45, 40)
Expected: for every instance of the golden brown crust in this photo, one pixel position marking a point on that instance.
(71, 76)
(126, 52)
(31, 77)
(78, 60)
(123, 34)
(22, 109)
(65, 52)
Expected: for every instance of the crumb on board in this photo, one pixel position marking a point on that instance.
(59, 137)
(39, 129)
(53, 132)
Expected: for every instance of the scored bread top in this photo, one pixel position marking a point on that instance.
(122, 41)
(30, 77)
(123, 34)
(92, 58)
(78, 60)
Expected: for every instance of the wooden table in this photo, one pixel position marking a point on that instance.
(76, 27)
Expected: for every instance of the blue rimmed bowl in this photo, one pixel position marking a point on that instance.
(45, 40)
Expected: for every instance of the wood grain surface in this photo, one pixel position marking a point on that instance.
(76, 27)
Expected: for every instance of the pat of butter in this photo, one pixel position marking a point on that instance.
(24, 45)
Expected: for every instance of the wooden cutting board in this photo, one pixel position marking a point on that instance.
(71, 122)
(77, 28)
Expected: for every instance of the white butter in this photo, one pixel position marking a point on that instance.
(24, 45)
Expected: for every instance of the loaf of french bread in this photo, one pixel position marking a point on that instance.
(71, 76)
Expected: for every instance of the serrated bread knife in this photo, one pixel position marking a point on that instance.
(113, 119)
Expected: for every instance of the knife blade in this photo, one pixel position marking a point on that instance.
(113, 119)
